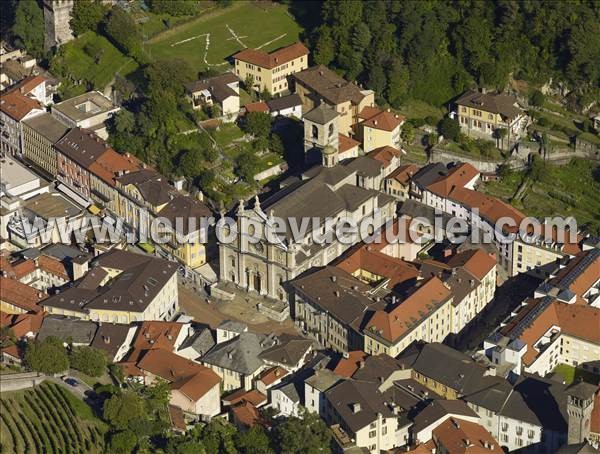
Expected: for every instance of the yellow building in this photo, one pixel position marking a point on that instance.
(379, 128)
(425, 315)
(122, 287)
(270, 70)
(40, 133)
(319, 84)
(481, 114)
(145, 196)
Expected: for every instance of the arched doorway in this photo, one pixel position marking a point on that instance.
(257, 282)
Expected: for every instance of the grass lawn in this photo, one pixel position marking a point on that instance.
(74, 63)
(414, 108)
(504, 188)
(570, 374)
(415, 153)
(254, 25)
(569, 190)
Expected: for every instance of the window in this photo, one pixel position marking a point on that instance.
(315, 132)
(330, 129)
(372, 434)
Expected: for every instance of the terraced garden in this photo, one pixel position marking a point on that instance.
(48, 419)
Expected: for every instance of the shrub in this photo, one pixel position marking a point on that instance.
(537, 99)
(449, 128)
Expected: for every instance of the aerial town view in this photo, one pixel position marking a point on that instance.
(300, 226)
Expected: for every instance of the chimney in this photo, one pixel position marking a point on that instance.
(107, 339)
(337, 293)
(355, 407)
(361, 364)
(333, 278)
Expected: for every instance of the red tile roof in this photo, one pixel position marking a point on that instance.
(365, 257)
(275, 58)
(29, 83)
(346, 143)
(380, 119)
(20, 295)
(385, 154)
(110, 164)
(458, 177)
(257, 107)
(346, 367)
(190, 378)
(272, 375)
(458, 436)
(403, 173)
(475, 261)
(253, 396)
(393, 325)
(575, 320)
(16, 105)
(154, 334)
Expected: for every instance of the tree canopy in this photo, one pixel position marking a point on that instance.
(28, 27)
(435, 50)
(48, 356)
(88, 360)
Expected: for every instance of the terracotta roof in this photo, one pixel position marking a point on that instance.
(384, 154)
(575, 320)
(22, 324)
(14, 351)
(109, 165)
(475, 261)
(459, 436)
(345, 143)
(21, 295)
(253, 396)
(246, 414)
(365, 257)
(273, 59)
(580, 274)
(185, 376)
(402, 319)
(457, 177)
(177, 418)
(346, 367)
(23, 268)
(272, 375)
(54, 266)
(257, 107)
(16, 105)
(380, 119)
(403, 173)
(154, 334)
(29, 83)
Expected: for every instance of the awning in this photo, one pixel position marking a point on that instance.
(70, 193)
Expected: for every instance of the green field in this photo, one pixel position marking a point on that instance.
(48, 419)
(254, 25)
(569, 190)
(570, 374)
(73, 62)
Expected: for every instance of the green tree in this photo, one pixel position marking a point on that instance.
(432, 139)
(218, 437)
(306, 435)
(249, 83)
(247, 166)
(123, 409)
(123, 442)
(258, 124)
(94, 49)
(537, 168)
(276, 145)
(398, 83)
(87, 15)
(537, 99)
(253, 441)
(48, 356)
(28, 28)
(408, 133)
(124, 32)
(325, 48)
(449, 128)
(88, 360)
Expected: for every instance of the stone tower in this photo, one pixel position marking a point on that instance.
(320, 131)
(580, 403)
(330, 156)
(57, 27)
